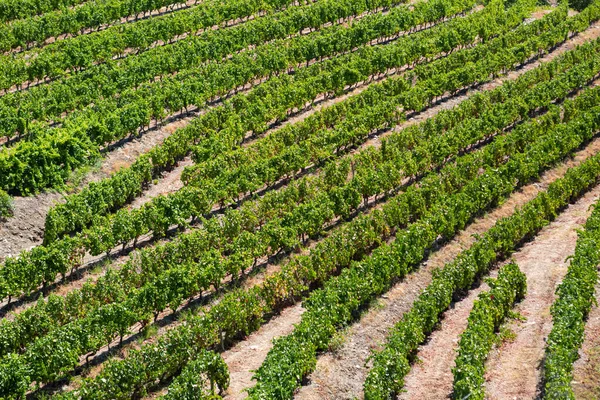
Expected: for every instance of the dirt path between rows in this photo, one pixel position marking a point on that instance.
(586, 370)
(249, 354)
(514, 369)
(431, 377)
(341, 375)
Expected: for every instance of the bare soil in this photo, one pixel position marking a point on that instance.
(25, 229)
(431, 376)
(249, 354)
(170, 182)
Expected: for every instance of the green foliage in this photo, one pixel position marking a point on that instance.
(200, 379)
(58, 224)
(392, 364)
(489, 311)
(579, 5)
(505, 335)
(293, 356)
(242, 311)
(342, 297)
(164, 211)
(570, 310)
(106, 79)
(17, 9)
(337, 341)
(115, 117)
(35, 29)
(204, 260)
(167, 284)
(84, 50)
(6, 205)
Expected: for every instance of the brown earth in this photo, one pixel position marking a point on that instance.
(431, 377)
(249, 354)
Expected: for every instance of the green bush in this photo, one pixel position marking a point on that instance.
(579, 4)
(200, 379)
(6, 205)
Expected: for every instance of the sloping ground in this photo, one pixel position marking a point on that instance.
(25, 229)
(340, 374)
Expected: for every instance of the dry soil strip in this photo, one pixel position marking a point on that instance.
(431, 377)
(250, 353)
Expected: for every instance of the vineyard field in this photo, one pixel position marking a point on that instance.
(299, 199)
